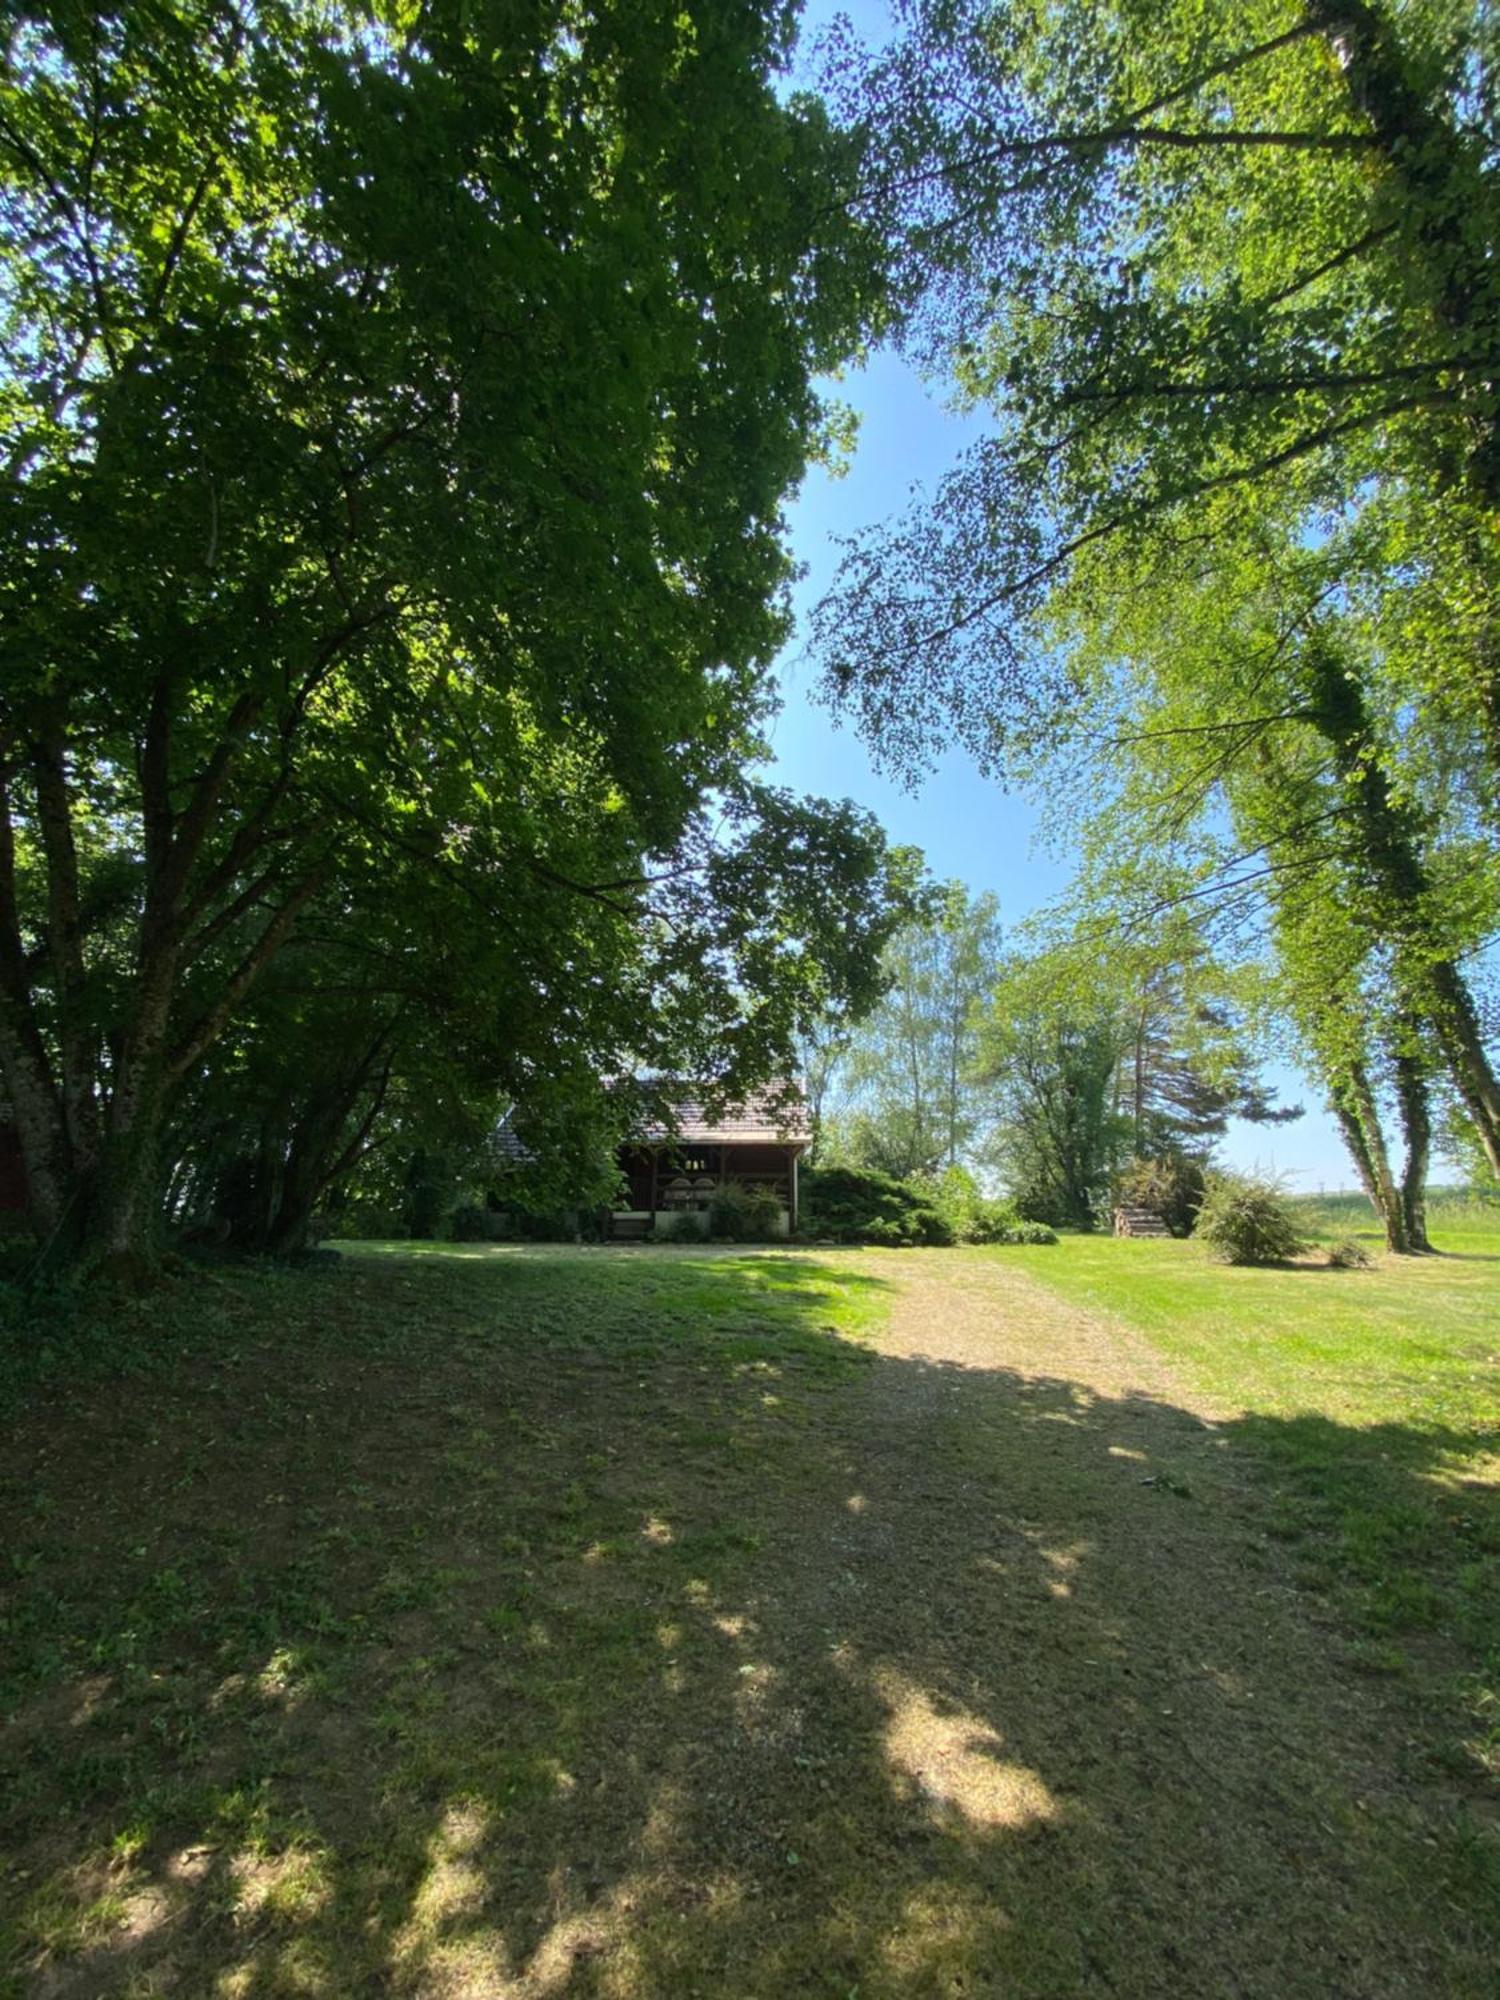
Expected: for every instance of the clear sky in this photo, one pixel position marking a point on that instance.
(968, 826)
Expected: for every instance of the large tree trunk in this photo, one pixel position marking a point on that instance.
(1353, 1103)
(117, 1232)
(1389, 836)
(1416, 1122)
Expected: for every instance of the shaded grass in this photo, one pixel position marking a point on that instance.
(496, 1621)
(1371, 1400)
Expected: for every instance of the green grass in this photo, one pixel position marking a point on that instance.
(1370, 1401)
(453, 1621)
(1412, 1339)
(1459, 1221)
(316, 1528)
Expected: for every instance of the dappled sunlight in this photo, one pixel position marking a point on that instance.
(278, 1678)
(592, 1671)
(295, 1886)
(940, 1930)
(443, 1934)
(952, 1761)
(1063, 1563)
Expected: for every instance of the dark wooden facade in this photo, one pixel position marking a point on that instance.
(668, 1177)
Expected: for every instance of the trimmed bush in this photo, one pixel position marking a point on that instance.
(1245, 1220)
(931, 1210)
(856, 1207)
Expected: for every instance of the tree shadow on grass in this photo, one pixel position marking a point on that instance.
(625, 1628)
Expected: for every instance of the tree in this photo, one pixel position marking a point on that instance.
(1107, 1048)
(397, 410)
(908, 1102)
(1058, 1135)
(1249, 759)
(1226, 282)
(1185, 256)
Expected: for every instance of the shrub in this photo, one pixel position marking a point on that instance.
(681, 1227)
(970, 1216)
(358, 1220)
(1245, 1220)
(1171, 1187)
(739, 1214)
(1026, 1232)
(472, 1222)
(1347, 1255)
(854, 1207)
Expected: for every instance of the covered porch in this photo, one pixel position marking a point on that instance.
(677, 1177)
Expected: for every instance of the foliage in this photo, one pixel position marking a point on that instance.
(849, 1206)
(1218, 578)
(398, 415)
(1185, 257)
(1053, 1068)
(1023, 1231)
(906, 1095)
(742, 1214)
(683, 1227)
(1246, 1220)
(1171, 1187)
(473, 1222)
(971, 1216)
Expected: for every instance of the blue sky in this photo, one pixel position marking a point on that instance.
(968, 826)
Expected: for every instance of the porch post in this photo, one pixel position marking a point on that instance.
(792, 1217)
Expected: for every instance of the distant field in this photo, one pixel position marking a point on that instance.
(1456, 1219)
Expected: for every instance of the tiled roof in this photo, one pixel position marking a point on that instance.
(766, 1118)
(771, 1117)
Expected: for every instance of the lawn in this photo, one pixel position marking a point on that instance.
(1371, 1401)
(478, 1622)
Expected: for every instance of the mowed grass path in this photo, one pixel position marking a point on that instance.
(522, 1622)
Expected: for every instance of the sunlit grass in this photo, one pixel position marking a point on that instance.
(1371, 1399)
(478, 1620)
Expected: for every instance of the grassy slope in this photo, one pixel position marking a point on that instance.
(1371, 1399)
(471, 1622)
(347, 1559)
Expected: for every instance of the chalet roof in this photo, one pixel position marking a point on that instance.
(775, 1116)
(766, 1118)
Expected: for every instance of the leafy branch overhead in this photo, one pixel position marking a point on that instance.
(1218, 582)
(398, 412)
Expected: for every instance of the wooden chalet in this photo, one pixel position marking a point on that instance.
(676, 1166)
(756, 1144)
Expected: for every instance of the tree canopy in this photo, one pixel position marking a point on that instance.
(398, 406)
(1222, 572)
